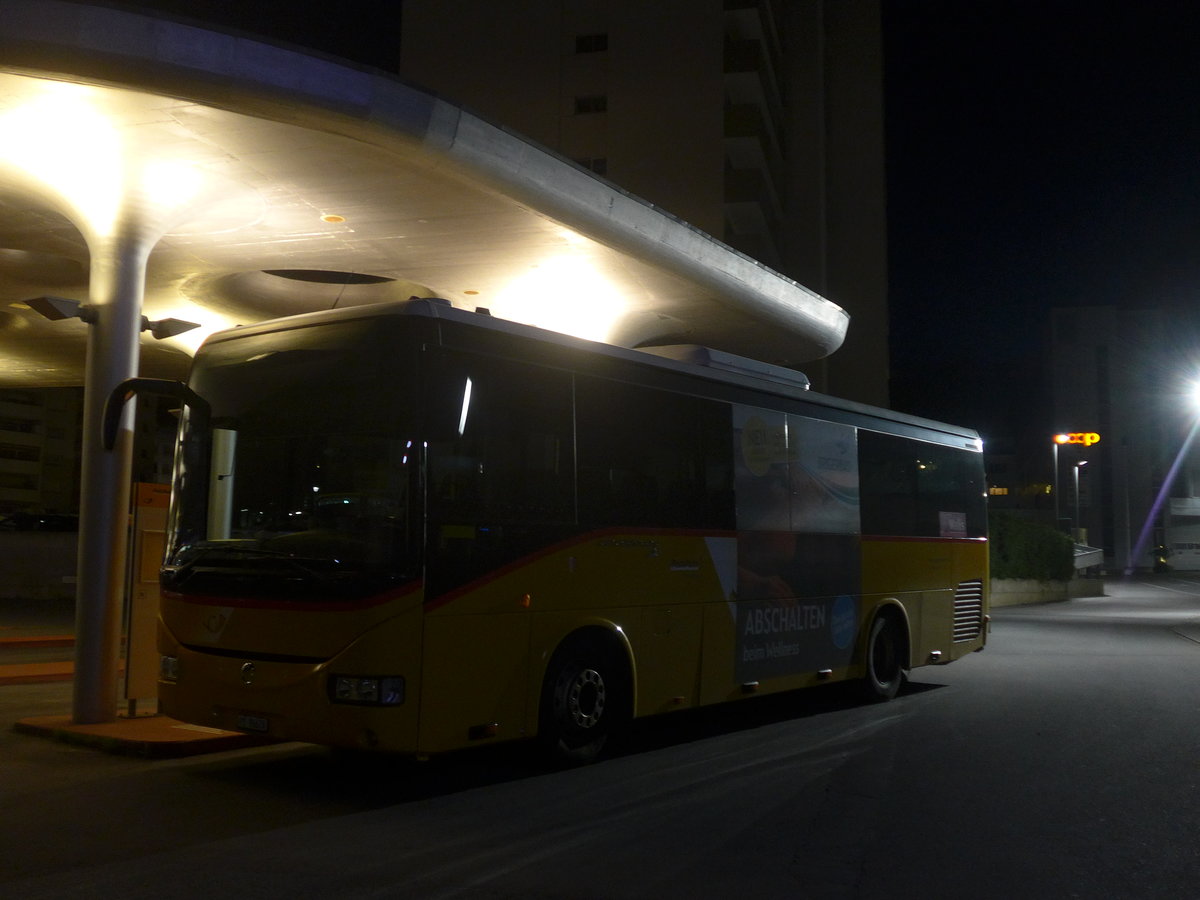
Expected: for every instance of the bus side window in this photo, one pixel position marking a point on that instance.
(652, 458)
(502, 447)
(909, 486)
(499, 472)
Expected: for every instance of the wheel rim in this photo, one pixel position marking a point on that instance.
(884, 666)
(585, 698)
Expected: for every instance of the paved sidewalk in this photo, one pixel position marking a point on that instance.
(28, 618)
(45, 626)
(37, 643)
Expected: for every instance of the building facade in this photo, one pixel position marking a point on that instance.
(40, 450)
(759, 122)
(1126, 478)
(41, 447)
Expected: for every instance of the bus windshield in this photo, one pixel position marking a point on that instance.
(297, 484)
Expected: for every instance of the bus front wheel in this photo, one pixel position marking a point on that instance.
(884, 659)
(583, 702)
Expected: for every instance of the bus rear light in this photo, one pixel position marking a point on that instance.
(168, 668)
(369, 691)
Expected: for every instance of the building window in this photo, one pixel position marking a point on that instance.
(21, 452)
(25, 398)
(597, 164)
(591, 43)
(998, 491)
(592, 103)
(14, 481)
(20, 426)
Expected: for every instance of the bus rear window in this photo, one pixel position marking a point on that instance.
(920, 489)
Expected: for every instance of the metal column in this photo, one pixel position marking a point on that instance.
(118, 271)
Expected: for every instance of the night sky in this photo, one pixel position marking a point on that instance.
(1040, 154)
(363, 31)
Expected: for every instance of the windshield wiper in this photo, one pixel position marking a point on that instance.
(227, 561)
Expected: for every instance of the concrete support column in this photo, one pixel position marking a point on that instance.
(68, 147)
(118, 272)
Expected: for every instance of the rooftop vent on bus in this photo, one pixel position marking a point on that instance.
(709, 358)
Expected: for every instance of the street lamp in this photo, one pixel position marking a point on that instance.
(58, 308)
(1078, 529)
(1058, 439)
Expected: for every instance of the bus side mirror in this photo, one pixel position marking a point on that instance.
(114, 405)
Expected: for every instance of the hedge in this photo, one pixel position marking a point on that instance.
(1023, 549)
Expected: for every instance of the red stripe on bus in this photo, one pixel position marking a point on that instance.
(589, 537)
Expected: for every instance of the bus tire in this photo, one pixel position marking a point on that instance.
(884, 659)
(584, 701)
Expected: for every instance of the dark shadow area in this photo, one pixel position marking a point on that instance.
(755, 712)
(340, 780)
(191, 802)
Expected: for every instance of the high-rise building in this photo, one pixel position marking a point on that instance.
(39, 450)
(757, 121)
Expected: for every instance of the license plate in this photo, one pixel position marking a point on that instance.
(252, 723)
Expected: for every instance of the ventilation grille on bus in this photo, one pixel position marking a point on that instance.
(968, 611)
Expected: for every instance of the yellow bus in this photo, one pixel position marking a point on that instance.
(412, 528)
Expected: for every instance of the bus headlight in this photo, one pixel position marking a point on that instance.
(168, 668)
(372, 691)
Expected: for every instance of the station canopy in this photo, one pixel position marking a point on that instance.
(263, 181)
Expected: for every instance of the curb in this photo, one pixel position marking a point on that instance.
(37, 673)
(37, 642)
(148, 737)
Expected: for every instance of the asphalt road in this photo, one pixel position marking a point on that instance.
(1063, 761)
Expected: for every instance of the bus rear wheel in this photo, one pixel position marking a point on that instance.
(884, 659)
(583, 703)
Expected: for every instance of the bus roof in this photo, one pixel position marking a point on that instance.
(702, 362)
